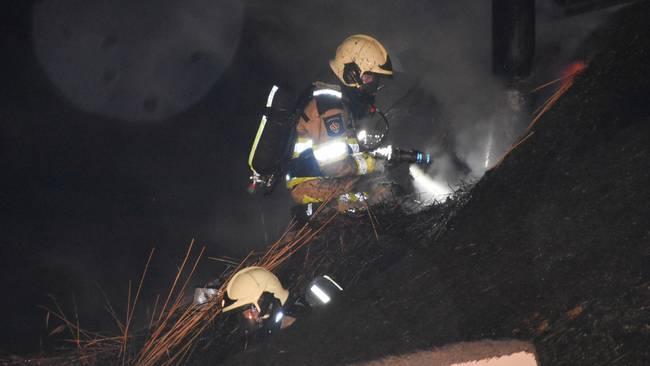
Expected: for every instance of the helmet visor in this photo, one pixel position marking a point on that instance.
(386, 68)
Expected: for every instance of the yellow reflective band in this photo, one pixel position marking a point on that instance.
(297, 180)
(365, 163)
(307, 199)
(251, 156)
(371, 162)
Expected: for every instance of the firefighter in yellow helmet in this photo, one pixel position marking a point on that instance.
(259, 297)
(358, 59)
(327, 160)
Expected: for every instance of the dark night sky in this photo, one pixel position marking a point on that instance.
(85, 197)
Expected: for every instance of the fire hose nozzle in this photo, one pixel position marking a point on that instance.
(397, 155)
(412, 156)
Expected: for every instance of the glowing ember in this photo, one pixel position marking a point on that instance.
(574, 69)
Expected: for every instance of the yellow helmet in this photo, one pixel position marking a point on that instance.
(360, 53)
(247, 286)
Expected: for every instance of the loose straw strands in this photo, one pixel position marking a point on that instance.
(175, 326)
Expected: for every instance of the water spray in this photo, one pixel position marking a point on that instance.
(488, 149)
(429, 189)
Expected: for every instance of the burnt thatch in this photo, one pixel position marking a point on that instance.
(552, 246)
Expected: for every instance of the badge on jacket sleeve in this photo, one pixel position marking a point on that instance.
(335, 125)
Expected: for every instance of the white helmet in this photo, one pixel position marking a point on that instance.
(247, 286)
(360, 53)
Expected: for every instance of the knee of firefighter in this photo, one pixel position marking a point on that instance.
(312, 191)
(320, 190)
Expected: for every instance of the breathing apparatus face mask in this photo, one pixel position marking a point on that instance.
(269, 318)
(352, 73)
(371, 83)
(368, 82)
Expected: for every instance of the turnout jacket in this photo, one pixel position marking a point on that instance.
(326, 145)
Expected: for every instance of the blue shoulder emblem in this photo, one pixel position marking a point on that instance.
(335, 125)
